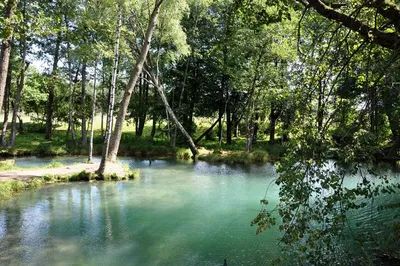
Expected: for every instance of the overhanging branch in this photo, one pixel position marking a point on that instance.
(390, 40)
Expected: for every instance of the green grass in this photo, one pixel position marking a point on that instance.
(33, 143)
(10, 188)
(237, 157)
(183, 154)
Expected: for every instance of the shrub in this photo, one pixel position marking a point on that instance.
(54, 164)
(7, 164)
(82, 176)
(238, 158)
(259, 156)
(47, 149)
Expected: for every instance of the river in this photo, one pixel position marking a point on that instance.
(177, 213)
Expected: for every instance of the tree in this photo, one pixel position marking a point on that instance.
(107, 138)
(21, 80)
(385, 34)
(137, 70)
(90, 157)
(7, 33)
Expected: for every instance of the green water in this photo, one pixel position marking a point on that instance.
(176, 214)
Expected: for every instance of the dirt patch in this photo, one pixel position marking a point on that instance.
(27, 175)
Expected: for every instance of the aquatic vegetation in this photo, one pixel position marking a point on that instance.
(54, 164)
(10, 188)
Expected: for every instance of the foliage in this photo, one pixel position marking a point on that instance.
(183, 154)
(82, 176)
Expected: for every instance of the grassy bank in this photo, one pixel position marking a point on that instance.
(11, 188)
(32, 143)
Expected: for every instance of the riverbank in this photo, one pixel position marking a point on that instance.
(29, 174)
(14, 181)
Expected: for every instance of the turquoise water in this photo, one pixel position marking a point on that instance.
(176, 214)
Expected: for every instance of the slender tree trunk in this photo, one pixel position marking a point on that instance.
(320, 110)
(220, 114)
(6, 108)
(272, 125)
(20, 87)
(93, 115)
(250, 128)
(236, 121)
(106, 146)
(179, 110)
(143, 114)
(83, 103)
(8, 31)
(175, 120)
(140, 120)
(228, 125)
(51, 95)
(139, 108)
(285, 127)
(153, 127)
(255, 126)
(20, 125)
(71, 126)
(207, 131)
(116, 136)
(273, 116)
(20, 82)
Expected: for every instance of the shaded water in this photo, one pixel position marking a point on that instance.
(176, 214)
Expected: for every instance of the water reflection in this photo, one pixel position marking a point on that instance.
(176, 214)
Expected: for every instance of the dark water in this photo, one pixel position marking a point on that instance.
(176, 214)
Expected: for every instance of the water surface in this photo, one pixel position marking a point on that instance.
(176, 214)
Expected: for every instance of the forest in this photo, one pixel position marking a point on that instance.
(296, 82)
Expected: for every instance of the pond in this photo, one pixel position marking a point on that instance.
(178, 213)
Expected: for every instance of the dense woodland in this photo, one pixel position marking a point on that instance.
(319, 78)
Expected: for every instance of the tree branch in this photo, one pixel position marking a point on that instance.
(390, 40)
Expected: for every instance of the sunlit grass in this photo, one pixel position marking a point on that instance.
(32, 142)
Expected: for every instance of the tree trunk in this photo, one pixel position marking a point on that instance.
(273, 116)
(175, 120)
(229, 125)
(255, 127)
(6, 46)
(220, 115)
(51, 96)
(90, 158)
(249, 140)
(104, 156)
(320, 110)
(116, 136)
(207, 131)
(20, 125)
(139, 107)
(143, 106)
(20, 87)
(143, 115)
(71, 126)
(83, 103)
(6, 108)
(153, 127)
